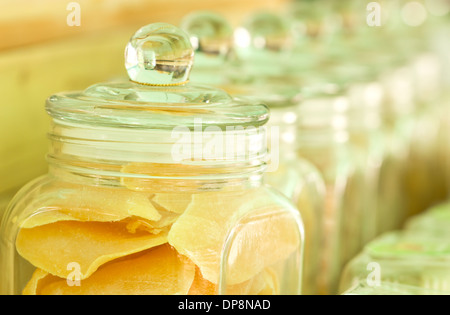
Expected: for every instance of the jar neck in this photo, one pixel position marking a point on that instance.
(283, 133)
(154, 159)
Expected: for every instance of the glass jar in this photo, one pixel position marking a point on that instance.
(154, 181)
(444, 142)
(334, 121)
(434, 222)
(353, 55)
(399, 53)
(5, 198)
(428, 152)
(340, 116)
(301, 181)
(401, 258)
(295, 178)
(423, 181)
(387, 288)
(323, 139)
(350, 53)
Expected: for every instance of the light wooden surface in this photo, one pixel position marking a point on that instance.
(24, 22)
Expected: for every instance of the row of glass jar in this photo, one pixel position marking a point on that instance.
(360, 129)
(118, 198)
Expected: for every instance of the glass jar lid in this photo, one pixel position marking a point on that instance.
(158, 59)
(409, 245)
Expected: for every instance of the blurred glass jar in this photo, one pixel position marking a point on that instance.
(341, 97)
(424, 180)
(427, 181)
(145, 185)
(361, 55)
(401, 55)
(345, 109)
(440, 44)
(403, 258)
(5, 198)
(434, 222)
(350, 53)
(363, 288)
(295, 178)
(444, 142)
(323, 139)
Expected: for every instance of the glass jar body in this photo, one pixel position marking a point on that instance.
(65, 236)
(302, 184)
(331, 138)
(343, 208)
(426, 180)
(391, 191)
(5, 198)
(398, 126)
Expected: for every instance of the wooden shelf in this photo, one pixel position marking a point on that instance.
(24, 22)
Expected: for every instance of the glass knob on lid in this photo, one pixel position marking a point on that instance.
(211, 37)
(264, 31)
(264, 44)
(159, 54)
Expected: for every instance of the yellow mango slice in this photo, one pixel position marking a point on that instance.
(174, 202)
(260, 241)
(87, 203)
(272, 286)
(171, 175)
(158, 271)
(164, 223)
(262, 283)
(167, 170)
(262, 233)
(39, 278)
(201, 286)
(167, 218)
(52, 247)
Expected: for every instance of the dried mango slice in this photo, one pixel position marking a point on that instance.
(261, 240)
(268, 233)
(167, 218)
(141, 184)
(167, 170)
(201, 286)
(164, 223)
(52, 247)
(256, 285)
(39, 278)
(158, 271)
(155, 227)
(271, 283)
(93, 204)
(173, 202)
(167, 175)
